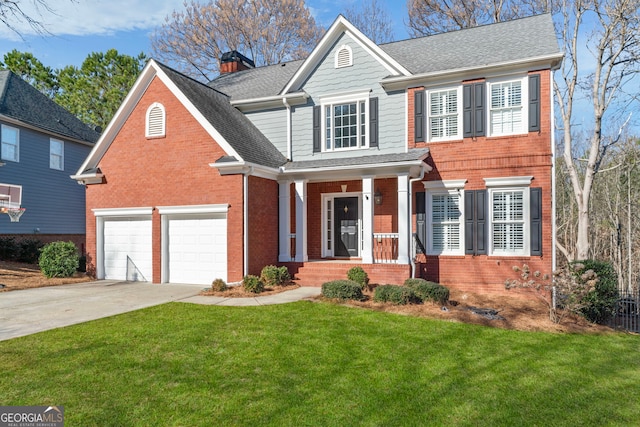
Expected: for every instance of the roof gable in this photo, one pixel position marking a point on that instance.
(338, 28)
(235, 134)
(23, 103)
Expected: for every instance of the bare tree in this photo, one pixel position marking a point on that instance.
(372, 20)
(266, 31)
(427, 17)
(614, 45)
(13, 15)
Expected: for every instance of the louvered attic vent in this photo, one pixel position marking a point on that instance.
(344, 57)
(155, 121)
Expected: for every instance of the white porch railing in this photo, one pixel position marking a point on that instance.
(385, 248)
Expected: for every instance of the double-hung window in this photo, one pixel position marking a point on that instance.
(10, 137)
(445, 226)
(509, 215)
(444, 114)
(56, 154)
(346, 122)
(507, 114)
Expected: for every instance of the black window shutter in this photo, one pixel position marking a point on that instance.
(419, 116)
(534, 103)
(316, 129)
(421, 221)
(478, 109)
(469, 219)
(373, 122)
(481, 222)
(475, 222)
(467, 111)
(535, 205)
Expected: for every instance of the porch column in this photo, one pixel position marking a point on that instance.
(284, 221)
(301, 221)
(403, 219)
(367, 219)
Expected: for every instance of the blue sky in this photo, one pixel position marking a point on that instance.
(85, 26)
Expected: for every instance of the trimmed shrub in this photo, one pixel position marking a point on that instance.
(219, 285)
(252, 284)
(275, 276)
(428, 291)
(398, 295)
(9, 249)
(29, 250)
(358, 275)
(59, 259)
(599, 304)
(342, 289)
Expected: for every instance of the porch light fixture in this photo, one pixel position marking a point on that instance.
(377, 197)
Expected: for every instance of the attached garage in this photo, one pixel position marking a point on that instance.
(194, 248)
(124, 244)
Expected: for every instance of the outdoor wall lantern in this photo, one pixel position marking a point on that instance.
(377, 197)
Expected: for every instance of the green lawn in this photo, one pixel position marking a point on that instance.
(311, 364)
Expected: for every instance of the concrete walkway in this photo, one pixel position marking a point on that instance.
(34, 310)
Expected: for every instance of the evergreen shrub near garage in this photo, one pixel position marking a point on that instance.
(342, 289)
(252, 284)
(59, 259)
(428, 291)
(275, 276)
(398, 295)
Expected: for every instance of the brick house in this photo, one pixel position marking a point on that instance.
(428, 157)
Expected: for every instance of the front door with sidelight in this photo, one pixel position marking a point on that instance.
(346, 230)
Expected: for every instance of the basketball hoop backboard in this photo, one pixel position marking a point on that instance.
(10, 201)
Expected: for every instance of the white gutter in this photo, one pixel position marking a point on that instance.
(411, 181)
(289, 136)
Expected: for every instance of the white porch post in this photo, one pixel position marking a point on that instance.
(301, 221)
(367, 219)
(403, 219)
(284, 221)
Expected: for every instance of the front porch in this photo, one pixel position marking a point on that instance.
(317, 272)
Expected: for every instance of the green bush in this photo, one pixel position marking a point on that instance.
(29, 250)
(219, 285)
(600, 302)
(275, 276)
(252, 284)
(342, 289)
(398, 295)
(428, 291)
(358, 275)
(9, 249)
(59, 259)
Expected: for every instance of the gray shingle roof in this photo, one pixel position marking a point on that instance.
(486, 45)
(234, 127)
(21, 101)
(410, 155)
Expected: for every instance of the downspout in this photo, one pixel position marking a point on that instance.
(553, 182)
(289, 137)
(411, 181)
(245, 223)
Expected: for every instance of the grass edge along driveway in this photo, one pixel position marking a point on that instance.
(318, 364)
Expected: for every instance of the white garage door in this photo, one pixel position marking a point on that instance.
(197, 248)
(127, 249)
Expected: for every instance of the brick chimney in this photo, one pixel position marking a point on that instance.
(233, 61)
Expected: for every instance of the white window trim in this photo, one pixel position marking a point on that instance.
(449, 187)
(2, 141)
(337, 56)
(512, 183)
(164, 121)
(52, 141)
(346, 98)
(524, 93)
(428, 92)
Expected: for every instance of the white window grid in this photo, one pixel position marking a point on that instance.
(444, 114)
(346, 123)
(445, 229)
(507, 107)
(509, 217)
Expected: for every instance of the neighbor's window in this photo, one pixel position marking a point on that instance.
(10, 143)
(444, 114)
(155, 120)
(507, 108)
(56, 154)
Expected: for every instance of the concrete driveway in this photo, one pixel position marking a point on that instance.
(33, 310)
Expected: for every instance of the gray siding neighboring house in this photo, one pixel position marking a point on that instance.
(55, 204)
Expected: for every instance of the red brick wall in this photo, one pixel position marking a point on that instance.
(263, 224)
(168, 171)
(490, 157)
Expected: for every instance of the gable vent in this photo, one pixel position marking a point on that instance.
(155, 120)
(344, 57)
